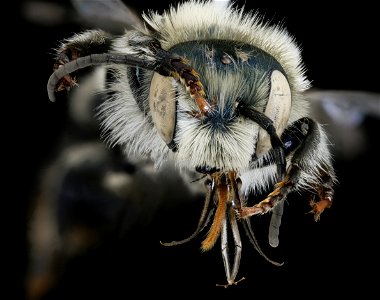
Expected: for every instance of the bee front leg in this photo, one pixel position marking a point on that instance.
(132, 43)
(310, 170)
(86, 43)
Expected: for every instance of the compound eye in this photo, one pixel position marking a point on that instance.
(277, 109)
(162, 104)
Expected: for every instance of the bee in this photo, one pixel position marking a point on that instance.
(218, 91)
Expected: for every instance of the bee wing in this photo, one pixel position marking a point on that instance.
(111, 15)
(345, 113)
(347, 107)
(115, 15)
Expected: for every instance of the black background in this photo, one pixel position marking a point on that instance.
(338, 46)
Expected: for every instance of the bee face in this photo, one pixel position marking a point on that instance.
(233, 75)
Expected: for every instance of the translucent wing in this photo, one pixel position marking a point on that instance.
(111, 15)
(346, 107)
(344, 113)
(115, 14)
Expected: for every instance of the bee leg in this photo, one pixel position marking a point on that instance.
(89, 42)
(282, 189)
(231, 273)
(325, 195)
(313, 170)
(137, 48)
(204, 218)
(310, 170)
(266, 123)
